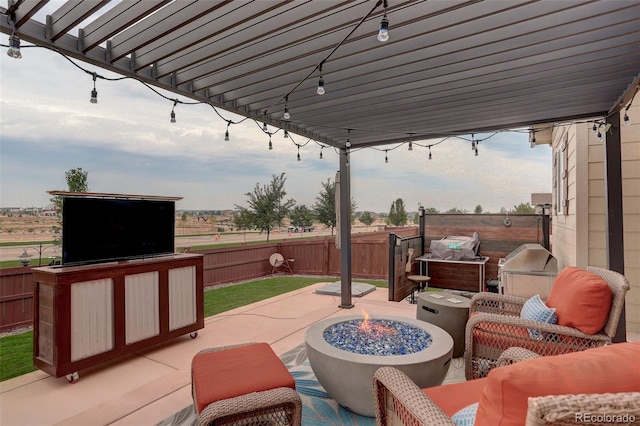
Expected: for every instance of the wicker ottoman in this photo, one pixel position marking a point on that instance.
(243, 384)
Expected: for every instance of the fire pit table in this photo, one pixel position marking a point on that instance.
(344, 352)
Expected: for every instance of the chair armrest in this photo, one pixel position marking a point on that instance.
(515, 354)
(583, 409)
(552, 331)
(488, 335)
(496, 304)
(398, 400)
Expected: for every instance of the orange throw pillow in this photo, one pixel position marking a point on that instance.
(614, 368)
(582, 300)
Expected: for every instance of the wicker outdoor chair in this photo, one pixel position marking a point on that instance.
(495, 325)
(399, 401)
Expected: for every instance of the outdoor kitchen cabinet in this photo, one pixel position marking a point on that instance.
(87, 315)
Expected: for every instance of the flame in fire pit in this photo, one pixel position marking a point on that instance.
(375, 329)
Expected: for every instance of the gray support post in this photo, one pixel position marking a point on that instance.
(421, 224)
(345, 230)
(614, 219)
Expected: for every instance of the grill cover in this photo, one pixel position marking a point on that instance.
(456, 248)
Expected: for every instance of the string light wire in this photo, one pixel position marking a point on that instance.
(597, 124)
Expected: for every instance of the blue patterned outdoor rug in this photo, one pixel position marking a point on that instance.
(318, 409)
(317, 406)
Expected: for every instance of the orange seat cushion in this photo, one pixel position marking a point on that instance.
(453, 397)
(582, 300)
(614, 368)
(237, 371)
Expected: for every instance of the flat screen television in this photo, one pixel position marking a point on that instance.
(106, 229)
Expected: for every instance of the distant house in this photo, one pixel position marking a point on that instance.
(579, 228)
(50, 210)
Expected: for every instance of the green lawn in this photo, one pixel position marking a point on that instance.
(16, 352)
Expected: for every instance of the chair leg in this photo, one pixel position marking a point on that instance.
(413, 294)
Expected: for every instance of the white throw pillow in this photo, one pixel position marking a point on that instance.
(535, 309)
(466, 416)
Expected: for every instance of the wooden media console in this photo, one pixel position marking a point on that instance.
(88, 315)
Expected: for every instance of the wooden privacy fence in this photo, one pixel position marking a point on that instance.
(16, 297)
(312, 256)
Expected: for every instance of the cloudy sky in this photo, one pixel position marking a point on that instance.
(127, 144)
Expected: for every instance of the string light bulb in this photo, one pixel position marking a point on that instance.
(226, 133)
(94, 92)
(626, 120)
(320, 90)
(321, 148)
(173, 112)
(594, 129)
(411, 142)
(286, 114)
(599, 135)
(347, 148)
(430, 152)
(383, 34)
(14, 47)
(286, 134)
(386, 157)
(298, 151)
(264, 127)
(270, 144)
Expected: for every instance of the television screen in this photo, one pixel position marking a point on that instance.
(104, 229)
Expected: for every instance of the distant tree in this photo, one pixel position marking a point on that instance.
(325, 206)
(523, 208)
(367, 218)
(478, 209)
(301, 216)
(266, 205)
(431, 210)
(243, 220)
(455, 210)
(76, 182)
(397, 213)
(503, 210)
(324, 209)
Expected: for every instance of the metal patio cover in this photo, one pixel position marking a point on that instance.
(449, 67)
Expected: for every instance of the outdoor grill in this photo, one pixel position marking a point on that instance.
(528, 270)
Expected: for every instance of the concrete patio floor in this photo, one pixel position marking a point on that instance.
(149, 386)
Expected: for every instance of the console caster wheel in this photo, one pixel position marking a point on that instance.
(193, 335)
(72, 378)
